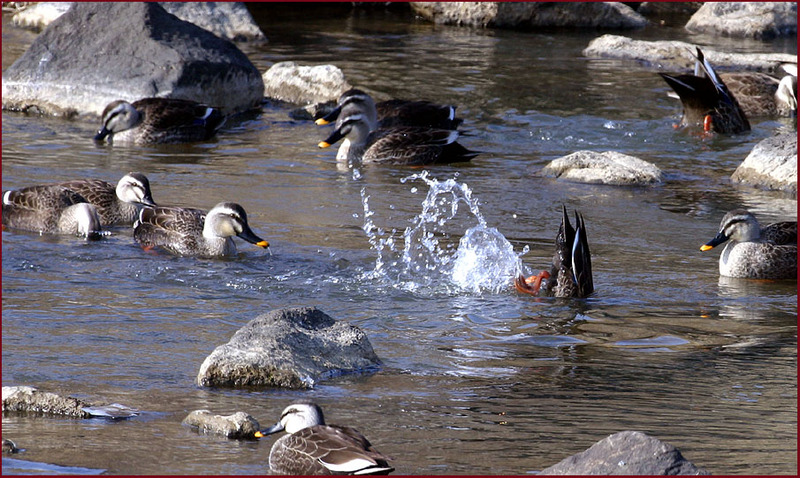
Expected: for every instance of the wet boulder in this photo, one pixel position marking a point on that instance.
(229, 20)
(99, 52)
(763, 20)
(626, 453)
(30, 400)
(608, 167)
(772, 164)
(305, 85)
(291, 348)
(679, 56)
(526, 16)
(239, 425)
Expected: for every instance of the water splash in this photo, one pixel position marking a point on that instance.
(426, 255)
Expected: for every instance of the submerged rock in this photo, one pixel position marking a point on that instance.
(762, 20)
(239, 425)
(530, 15)
(293, 83)
(99, 52)
(608, 167)
(291, 348)
(626, 453)
(772, 164)
(229, 20)
(678, 55)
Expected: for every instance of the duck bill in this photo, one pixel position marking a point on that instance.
(249, 236)
(330, 117)
(101, 135)
(148, 201)
(718, 239)
(269, 431)
(332, 139)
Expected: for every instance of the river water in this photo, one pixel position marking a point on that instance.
(476, 378)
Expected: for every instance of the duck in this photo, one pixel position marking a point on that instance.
(158, 120)
(397, 112)
(50, 209)
(364, 141)
(310, 447)
(707, 101)
(755, 252)
(194, 232)
(571, 272)
(116, 205)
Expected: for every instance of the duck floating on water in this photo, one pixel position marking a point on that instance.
(755, 252)
(116, 205)
(50, 209)
(311, 447)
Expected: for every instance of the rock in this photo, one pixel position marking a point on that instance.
(763, 20)
(239, 425)
(524, 15)
(229, 20)
(668, 8)
(127, 51)
(626, 453)
(677, 55)
(290, 82)
(29, 399)
(291, 348)
(36, 16)
(772, 164)
(609, 167)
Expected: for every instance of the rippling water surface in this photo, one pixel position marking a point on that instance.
(477, 379)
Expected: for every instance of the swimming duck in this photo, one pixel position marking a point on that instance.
(707, 100)
(393, 113)
(571, 273)
(407, 145)
(158, 120)
(50, 209)
(193, 232)
(755, 252)
(116, 205)
(311, 447)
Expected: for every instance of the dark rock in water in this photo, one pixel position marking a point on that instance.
(531, 15)
(626, 453)
(239, 425)
(30, 400)
(762, 20)
(99, 52)
(291, 348)
(772, 164)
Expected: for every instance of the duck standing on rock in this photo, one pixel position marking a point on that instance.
(158, 120)
(755, 252)
(365, 141)
(193, 232)
(707, 100)
(571, 273)
(311, 447)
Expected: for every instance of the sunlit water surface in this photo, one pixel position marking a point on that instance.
(476, 378)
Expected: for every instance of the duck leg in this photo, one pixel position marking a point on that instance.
(532, 284)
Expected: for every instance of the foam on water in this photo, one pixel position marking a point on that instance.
(426, 257)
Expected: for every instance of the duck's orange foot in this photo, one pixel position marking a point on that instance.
(532, 284)
(707, 123)
(148, 247)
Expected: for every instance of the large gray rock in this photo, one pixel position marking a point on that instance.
(772, 164)
(291, 348)
(626, 453)
(679, 56)
(239, 425)
(529, 15)
(608, 167)
(745, 19)
(100, 52)
(229, 20)
(305, 85)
